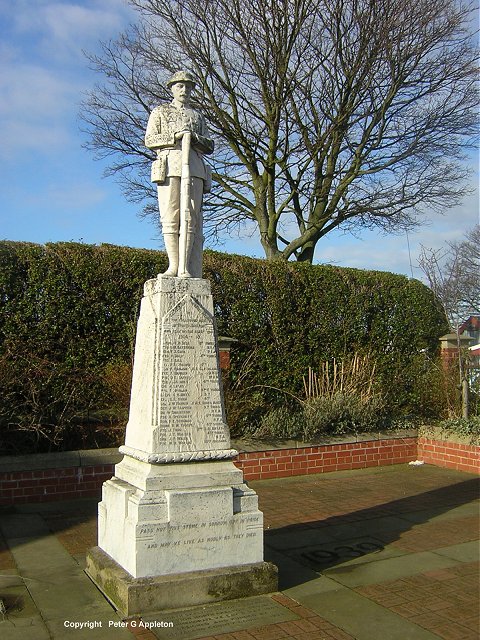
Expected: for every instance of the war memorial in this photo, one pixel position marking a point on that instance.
(177, 524)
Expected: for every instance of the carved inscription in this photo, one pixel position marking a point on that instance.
(165, 535)
(190, 409)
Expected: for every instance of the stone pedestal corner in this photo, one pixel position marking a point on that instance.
(176, 518)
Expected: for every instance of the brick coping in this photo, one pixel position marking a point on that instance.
(93, 457)
(425, 436)
(76, 474)
(255, 445)
(437, 433)
(60, 460)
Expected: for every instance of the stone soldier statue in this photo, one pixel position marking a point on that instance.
(179, 135)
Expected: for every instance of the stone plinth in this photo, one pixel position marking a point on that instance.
(177, 507)
(176, 407)
(133, 596)
(167, 519)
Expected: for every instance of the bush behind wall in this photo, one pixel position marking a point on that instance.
(68, 320)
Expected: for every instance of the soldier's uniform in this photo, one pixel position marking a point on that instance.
(164, 122)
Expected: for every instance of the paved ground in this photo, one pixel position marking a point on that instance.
(387, 554)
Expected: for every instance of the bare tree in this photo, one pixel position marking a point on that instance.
(453, 273)
(326, 113)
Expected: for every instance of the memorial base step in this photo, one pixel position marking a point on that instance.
(141, 596)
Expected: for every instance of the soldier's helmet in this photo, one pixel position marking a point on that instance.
(182, 76)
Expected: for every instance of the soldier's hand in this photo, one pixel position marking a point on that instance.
(179, 135)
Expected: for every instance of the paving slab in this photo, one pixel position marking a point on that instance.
(465, 552)
(17, 525)
(353, 575)
(416, 582)
(10, 578)
(56, 601)
(364, 619)
(31, 554)
(314, 587)
(96, 627)
(23, 620)
(58, 588)
(433, 515)
(22, 617)
(37, 631)
(303, 538)
(344, 553)
(225, 617)
(292, 573)
(20, 608)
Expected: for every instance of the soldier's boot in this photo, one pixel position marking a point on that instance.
(171, 246)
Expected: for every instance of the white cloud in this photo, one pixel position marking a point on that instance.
(33, 110)
(44, 72)
(33, 92)
(64, 28)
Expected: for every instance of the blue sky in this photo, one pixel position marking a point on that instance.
(52, 189)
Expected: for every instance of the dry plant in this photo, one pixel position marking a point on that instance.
(353, 376)
(342, 398)
(242, 399)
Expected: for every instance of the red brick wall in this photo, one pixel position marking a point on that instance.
(224, 359)
(47, 485)
(463, 457)
(322, 459)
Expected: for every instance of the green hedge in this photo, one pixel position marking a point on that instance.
(68, 319)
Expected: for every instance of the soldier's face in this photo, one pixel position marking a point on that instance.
(182, 91)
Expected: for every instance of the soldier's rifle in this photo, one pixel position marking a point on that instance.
(185, 211)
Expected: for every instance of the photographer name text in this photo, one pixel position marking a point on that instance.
(133, 624)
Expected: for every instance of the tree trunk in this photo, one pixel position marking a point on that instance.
(307, 252)
(465, 399)
(271, 250)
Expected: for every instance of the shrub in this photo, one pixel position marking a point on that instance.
(49, 405)
(282, 422)
(343, 413)
(68, 320)
(467, 427)
(343, 398)
(295, 316)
